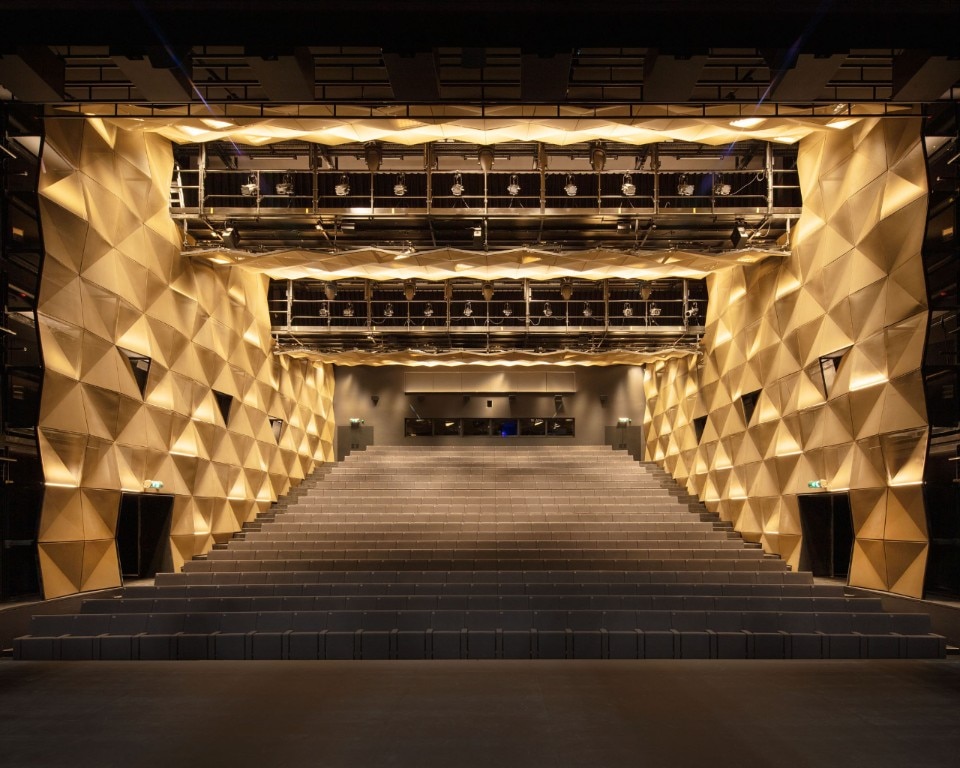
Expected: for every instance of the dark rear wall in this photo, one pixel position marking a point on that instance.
(622, 384)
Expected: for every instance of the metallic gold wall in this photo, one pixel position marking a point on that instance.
(113, 278)
(853, 279)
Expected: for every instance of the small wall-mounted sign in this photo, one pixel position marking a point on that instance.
(356, 423)
(153, 485)
(817, 484)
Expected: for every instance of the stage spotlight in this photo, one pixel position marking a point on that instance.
(566, 290)
(342, 188)
(570, 188)
(645, 290)
(513, 188)
(547, 310)
(330, 291)
(348, 310)
(400, 188)
(487, 290)
(628, 187)
(388, 310)
(457, 189)
(598, 157)
(655, 310)
(507, 311)
(737, 235)
(428, 310)
(719, 188)
(467, 309)
(230, 237)
(587, 312)
(627, 310)
(285, 187)
(251, 188)
(409, 290)
(324, 310)
(684, 188)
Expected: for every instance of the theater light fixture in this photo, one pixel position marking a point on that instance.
(409, 290)
(330, 291)
(547, 310)
(628, 187)
(487, 290)
(342, 188)
(645, 290)
(428, 310)
(655, 310)
(569, 187)
(388, 310)
(348, 310)
(566, 290)
(230, 237)
(400, 188)
(251, 188)
(738, 233)
(684, 188)
(627, 310)
(720, 189)
(467, 309)
(507, 311)
(324, 310)
(587, 312)
(457, 189)
(598, 157)
(285, 187)
(373, 155)
(513, 188)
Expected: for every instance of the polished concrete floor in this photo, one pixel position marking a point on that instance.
(671, 713)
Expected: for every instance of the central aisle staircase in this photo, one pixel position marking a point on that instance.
(473, 552)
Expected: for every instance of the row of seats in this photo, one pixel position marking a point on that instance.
(360, 644)
(566, 589)
(480, 602)
(469, 564)
(505, 576)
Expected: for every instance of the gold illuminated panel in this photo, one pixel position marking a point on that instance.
(832, 339)
(113, 285)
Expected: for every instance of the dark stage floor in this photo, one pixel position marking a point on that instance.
(650, 713)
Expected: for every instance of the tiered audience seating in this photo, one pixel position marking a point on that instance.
(480, 553)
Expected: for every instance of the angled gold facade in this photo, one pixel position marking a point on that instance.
(811, 365)
(113, 280)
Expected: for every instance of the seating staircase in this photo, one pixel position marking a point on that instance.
(470, 552)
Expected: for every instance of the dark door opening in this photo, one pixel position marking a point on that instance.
(827, 528)
(143, 528)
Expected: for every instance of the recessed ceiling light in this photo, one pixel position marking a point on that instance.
(841, 124)
(748, 122)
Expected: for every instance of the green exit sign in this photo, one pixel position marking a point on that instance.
(816, 484)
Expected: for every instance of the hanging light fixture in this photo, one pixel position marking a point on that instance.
(400, 188)
(388, 310)
(587, 312)
(645, 290)
(684, 188)
(342, 188)
(285, 187)
(251, 188)
(627, 310)
(348, 310)
(487, 290)
(467, 309)
(566, 290)
(457, 189)
(720, 189)
(655, 310)
(324, 310)
(409, 290)
(569, 187)
(428, 310)
(628, 187)
(513, 188)
(507, 311)
(547, 310)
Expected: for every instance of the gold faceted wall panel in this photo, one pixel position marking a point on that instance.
(113, 280)
(852, 289)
